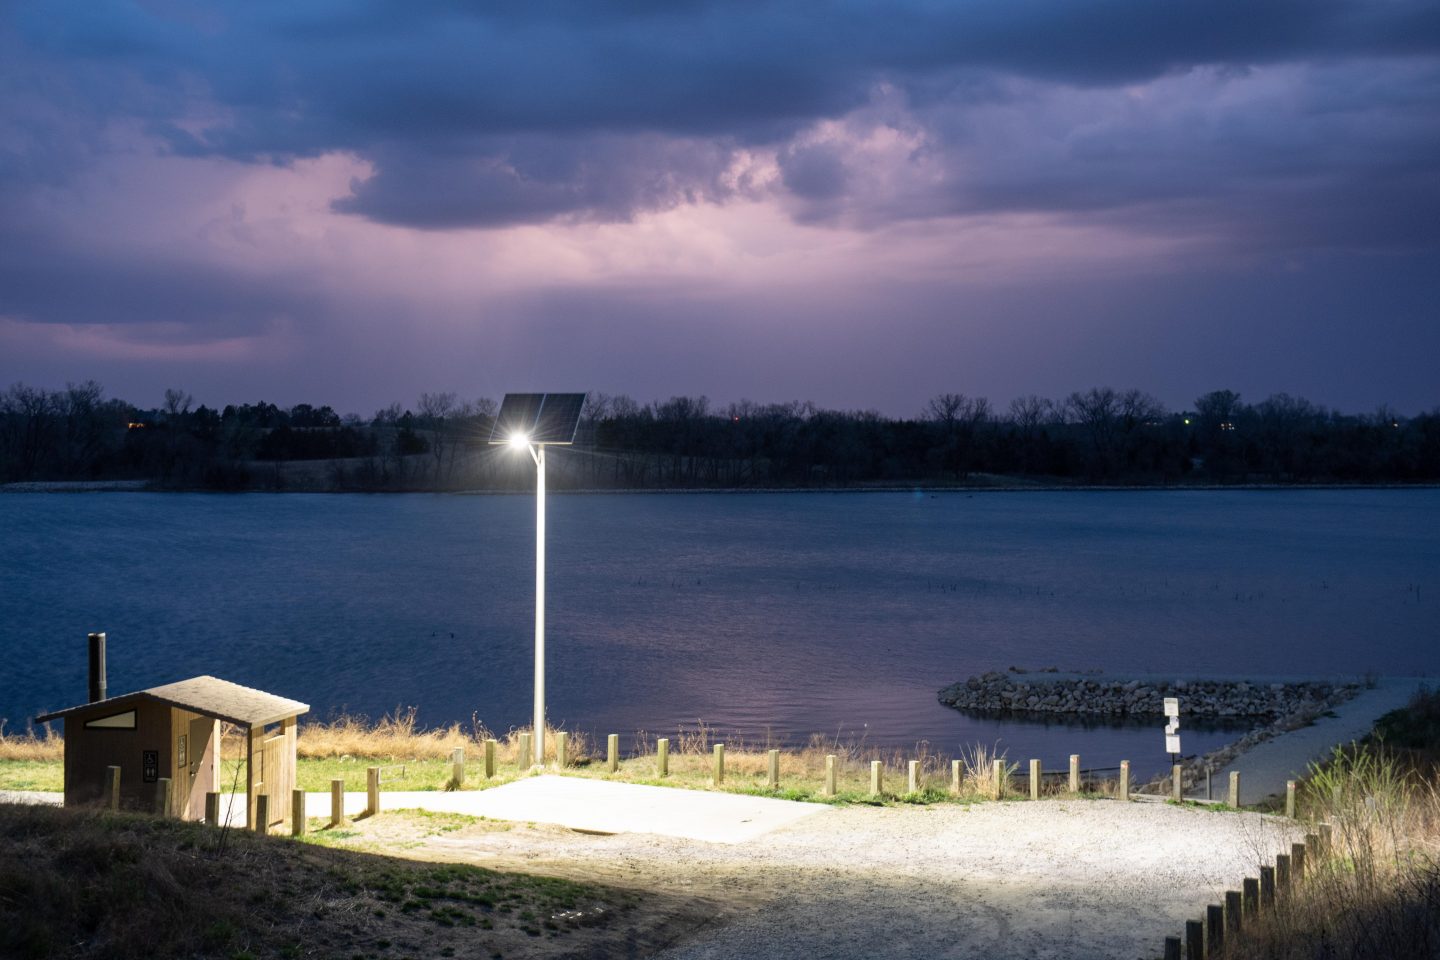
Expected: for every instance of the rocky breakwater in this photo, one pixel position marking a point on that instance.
(1101, 696)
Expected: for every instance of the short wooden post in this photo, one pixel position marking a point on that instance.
(719, 765)
(1232, 913)
(1034, 779)
(262, 813)
(1290, 799)
(997, 785)
(1267, 888)
(957, 775)
(830, 760)
(1172, 948)
(1177, 788)
(562, 749)
(490, 746)
(525, 755)
(912, 777)
(337, 802)
(1250, 901)
(612, 752)
(1327, 836)
(372, 790)
(1233, 799)
(1282, 874)
(112, 787)
(162, 797)
(876, 777)
(212, 808)
(1214, 930)
(1194, 940)
(297, 812)
(457, 767)
(1074, 773)
(662, 756)
(1125, 781)
(774, 769)
(1297, 862)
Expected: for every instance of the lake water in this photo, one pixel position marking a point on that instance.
(786, 614)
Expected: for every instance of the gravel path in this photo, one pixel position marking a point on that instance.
(1058, 878)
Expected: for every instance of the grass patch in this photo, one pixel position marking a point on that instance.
(90, 884)
(1377, 892)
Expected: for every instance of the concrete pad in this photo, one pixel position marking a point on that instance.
(606, 807)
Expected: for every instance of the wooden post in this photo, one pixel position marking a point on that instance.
(1297, 862)
(997, 786)
(719, 772)
(1282, 874)
(1034, 779)
(162, 797)
(1327, 835)
(912, 777)
(1250, 901)
(1267, 888)
(876, 777)
(337, 802)
(830, 760)
(1194, 940)
(372, 790)
(1214, 930)
(1290, 799)
(1234, 797)
(957, 774)
(562, 749)
(1232, 913)
(526, 754)
(490, 746)
(297, 812)
(1074, 773)
(1125, 781)
(262, 813)
(662, 756)
(457, 767)
(1177, 789)
(612, 752)
(774, 756)
(1172, 948)
(212, 808)
(112, 787)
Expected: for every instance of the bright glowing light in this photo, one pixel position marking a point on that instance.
(518, 440)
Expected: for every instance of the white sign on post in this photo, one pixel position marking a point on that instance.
(1172, 725)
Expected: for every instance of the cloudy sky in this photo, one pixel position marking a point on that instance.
(860, 204)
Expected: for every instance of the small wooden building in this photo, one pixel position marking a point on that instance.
(174, 731)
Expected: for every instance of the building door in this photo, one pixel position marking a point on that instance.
(200, 762)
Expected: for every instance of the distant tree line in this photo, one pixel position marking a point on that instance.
(1100, 435)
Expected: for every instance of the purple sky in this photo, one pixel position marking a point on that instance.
(352, 202)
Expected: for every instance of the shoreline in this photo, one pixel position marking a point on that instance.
(150, 486)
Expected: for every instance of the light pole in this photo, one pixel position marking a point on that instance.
(532, 421)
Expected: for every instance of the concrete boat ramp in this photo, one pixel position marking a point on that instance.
(592, 806)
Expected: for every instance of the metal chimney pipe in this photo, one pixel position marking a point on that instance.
(97, 667)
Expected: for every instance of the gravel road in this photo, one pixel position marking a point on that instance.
(1057, 878)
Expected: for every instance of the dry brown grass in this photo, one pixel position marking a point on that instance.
(1377, 892)
(29, 746)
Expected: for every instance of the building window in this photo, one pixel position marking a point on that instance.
(116, 721)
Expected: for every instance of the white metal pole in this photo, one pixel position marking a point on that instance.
(540, 604)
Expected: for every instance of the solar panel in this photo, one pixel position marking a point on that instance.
(541, 417)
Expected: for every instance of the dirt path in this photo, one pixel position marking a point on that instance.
(1061, 878)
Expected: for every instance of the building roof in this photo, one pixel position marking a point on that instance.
(209, 696)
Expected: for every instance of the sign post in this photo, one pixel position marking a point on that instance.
(1172, 729)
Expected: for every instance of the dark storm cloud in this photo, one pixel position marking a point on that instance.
(455, 104)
